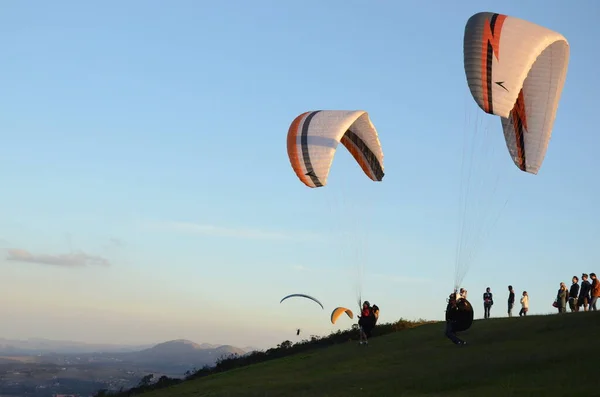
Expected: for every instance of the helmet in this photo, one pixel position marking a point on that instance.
(366, 303)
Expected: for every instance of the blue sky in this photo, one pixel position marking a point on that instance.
(153, 136)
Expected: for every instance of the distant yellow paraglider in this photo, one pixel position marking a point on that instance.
(338, 311)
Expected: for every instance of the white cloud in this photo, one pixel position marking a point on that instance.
(232, 232)
(77, 259)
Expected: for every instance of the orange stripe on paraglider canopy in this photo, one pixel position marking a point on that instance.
(293, 148)
(358, 156)
(490, 46)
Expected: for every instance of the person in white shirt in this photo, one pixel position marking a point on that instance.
(524, 304)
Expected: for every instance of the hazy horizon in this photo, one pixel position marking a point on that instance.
(148, 195)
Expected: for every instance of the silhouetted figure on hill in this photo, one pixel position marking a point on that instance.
(488, 301)
(561, 298)
(573, 294)
(524, 304)
(584, 292)
(595, 291)
(511, 300)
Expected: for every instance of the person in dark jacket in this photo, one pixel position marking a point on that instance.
(584, 292)
(573, 294)
(511, 300)
(451, 320)
(488, 302)
(366, 322)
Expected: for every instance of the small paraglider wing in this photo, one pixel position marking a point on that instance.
(303, 296)
(516, 69)
(338, 311)
(313, 138)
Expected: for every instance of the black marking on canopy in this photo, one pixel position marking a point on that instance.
(305, 152)
(501, 84)
(372, 160)
(488, 65)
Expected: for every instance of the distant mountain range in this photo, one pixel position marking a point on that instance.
(177, 355)
(66, 367)
(172, 357)
(36, 346)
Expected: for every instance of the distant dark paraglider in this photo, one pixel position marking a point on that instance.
(303, 296)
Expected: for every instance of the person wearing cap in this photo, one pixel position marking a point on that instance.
(595, 291)
(584, 292)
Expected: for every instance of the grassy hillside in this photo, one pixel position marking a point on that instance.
(554, 355)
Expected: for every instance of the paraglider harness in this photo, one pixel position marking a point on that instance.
(459, 313)
(375, 314)
(368, 323)
(372, 317)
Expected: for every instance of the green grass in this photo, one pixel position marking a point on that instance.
(555, 355)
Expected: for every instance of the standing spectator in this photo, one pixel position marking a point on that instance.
(561, 298)
(524, 304)
(488, 301)
(584, 292)
(595, 291)
(573, 293)
(511, 300)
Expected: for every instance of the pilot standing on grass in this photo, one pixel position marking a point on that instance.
(366, 322)
(451, 320)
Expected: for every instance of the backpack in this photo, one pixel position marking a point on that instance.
(375, 311)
